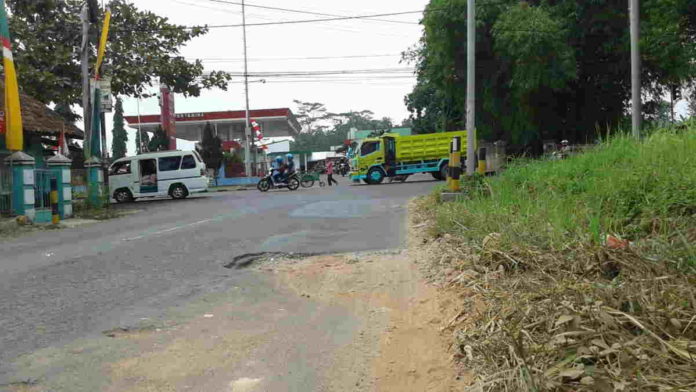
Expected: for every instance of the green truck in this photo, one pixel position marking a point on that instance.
(393, 155)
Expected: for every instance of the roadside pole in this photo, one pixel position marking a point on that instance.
(471, 88)
(634, 11)
(455, 164)
(86, 112)
(247, 128)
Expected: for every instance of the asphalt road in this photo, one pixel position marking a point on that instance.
(59, 286)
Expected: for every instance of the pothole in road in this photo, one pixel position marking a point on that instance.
(247, 259)
(129, 331)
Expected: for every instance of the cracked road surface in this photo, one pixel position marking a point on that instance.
(163, 265)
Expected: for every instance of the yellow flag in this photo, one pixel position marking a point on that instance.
(14, 138)
(102, 41)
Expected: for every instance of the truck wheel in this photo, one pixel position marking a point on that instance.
(442, 174)
(375, 176)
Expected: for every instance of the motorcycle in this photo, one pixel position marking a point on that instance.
(266, 183)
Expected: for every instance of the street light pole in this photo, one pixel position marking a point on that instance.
(247, 129)
(634, 11)
(471, 88)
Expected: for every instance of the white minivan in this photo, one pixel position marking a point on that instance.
(167, 173)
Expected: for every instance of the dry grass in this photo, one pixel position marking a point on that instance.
(549, 307)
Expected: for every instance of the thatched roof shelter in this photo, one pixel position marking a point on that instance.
(38, 118)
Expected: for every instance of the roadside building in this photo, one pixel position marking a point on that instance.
(42, 129)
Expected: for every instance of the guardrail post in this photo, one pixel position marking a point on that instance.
(23, 200)
(482, 161)
(455, 164)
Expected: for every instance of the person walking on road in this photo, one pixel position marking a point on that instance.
(329, 172)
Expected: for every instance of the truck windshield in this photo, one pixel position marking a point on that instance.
(368, 148)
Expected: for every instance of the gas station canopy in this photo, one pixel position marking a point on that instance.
(228, 125)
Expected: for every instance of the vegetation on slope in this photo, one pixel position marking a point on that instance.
(558, 298)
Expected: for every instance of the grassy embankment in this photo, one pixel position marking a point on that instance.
(552, 306)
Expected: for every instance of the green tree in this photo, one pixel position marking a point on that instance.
(142, 48)
(159, 141)
(310, 115)
(211, 149)
(322, 139)
(141, 144)
(119, 134)
(546, 69)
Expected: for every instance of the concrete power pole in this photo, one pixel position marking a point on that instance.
(247, 128)
(86, 112)
(471, 88)
(634, 11)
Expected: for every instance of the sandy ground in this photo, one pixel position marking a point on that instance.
(395, 341)
(408, 351)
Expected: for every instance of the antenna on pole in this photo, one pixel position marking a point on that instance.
(247, 129)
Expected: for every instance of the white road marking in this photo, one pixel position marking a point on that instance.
(244, 384)
(168, 230)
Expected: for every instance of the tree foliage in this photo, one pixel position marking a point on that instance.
(142, 141)
(143, 48)
(159, 141)
(119, 134)
(547, 69)
(335, 130)
(211, 149)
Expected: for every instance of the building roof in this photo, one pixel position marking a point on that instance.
(38, 118)
(213, 116)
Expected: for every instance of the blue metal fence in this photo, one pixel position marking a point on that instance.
(5, 190)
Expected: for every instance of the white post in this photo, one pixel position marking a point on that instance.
(471, 88)
(247, 129)
(634, 11)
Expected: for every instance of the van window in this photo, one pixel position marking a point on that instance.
(188, 162)
(198, 157)
(169, 163)
(369, 148)
(120, 168)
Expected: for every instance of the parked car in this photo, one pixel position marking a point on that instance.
(167, 173)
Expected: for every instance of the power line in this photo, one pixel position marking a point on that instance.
(231, 59)
(308, 12)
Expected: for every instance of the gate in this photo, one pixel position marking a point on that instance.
(5, 191)
(42, 189)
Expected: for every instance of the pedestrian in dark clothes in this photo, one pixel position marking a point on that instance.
(329, 173)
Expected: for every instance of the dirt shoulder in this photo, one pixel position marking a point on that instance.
(402, 316)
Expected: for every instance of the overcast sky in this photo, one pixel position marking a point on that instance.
(321, 46)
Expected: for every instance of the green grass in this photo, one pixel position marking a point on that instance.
(644, 191)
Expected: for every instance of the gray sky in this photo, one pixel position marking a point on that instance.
(322, 46)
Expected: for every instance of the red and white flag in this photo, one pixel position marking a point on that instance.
(257, 129)
(63, 145)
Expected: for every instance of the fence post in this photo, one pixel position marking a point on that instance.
(23, 200)
(95, 182)
(455, 164)
(482, 161)
(60, 166)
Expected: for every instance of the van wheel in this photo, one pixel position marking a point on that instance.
(123, 196)
(444, 172)
(178, 192)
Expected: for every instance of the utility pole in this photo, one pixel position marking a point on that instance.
(86, 112)
(247, 128)
(471, 88)
(634, 11)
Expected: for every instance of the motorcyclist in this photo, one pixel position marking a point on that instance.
(277, 167)
(289, 166)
